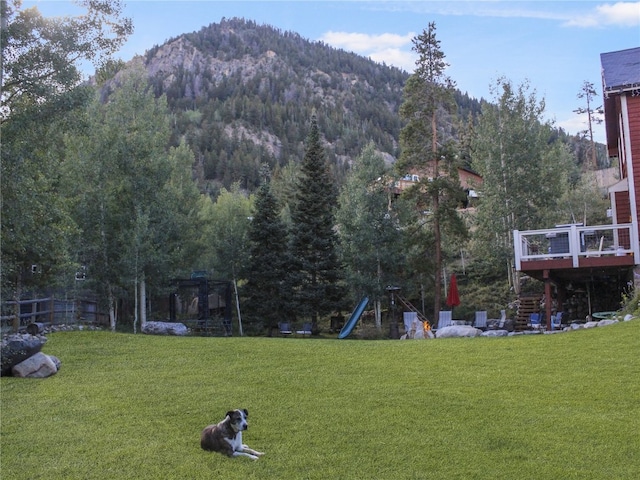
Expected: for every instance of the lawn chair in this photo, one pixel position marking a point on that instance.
(306, 329)
(285, 328)
(481, 320)
(503, 319)
(556, 321)
(444, 319)
(535, 321)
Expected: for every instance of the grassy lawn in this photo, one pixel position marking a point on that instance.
(132, 407)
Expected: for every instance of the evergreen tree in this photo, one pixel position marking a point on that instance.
(594, 116)
(267, 298)
(428, 96)
(317, 271)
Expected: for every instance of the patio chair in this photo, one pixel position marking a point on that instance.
(408, 318)
(285, 328)
(535, 321)
(306, 329)
(597, 253)
(556, 321)
(444, 319)
(481, 320)
(503, 319)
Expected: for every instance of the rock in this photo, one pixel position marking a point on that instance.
(164, 328)
(495, 333)
(628, 317)
(458, 331)
(36, 366)
(590, 325)
(604, 323)
(17, 348)
(56, 361)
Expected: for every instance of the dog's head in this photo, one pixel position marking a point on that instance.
(238, 419)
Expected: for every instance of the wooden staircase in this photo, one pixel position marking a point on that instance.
(528, 304)
(411, 308)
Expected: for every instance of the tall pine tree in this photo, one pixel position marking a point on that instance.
(317, 272)
(267, 298)
(428, 97)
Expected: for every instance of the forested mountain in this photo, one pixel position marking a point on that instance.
(242, 94)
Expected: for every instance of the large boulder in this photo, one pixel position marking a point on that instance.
(164, 328)
(36, 366)
(495, 333)
(608, 321)
(458, 331)
(56, 361)
(17, 348)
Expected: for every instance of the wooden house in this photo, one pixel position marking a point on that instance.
(589, 266)
(469, 181)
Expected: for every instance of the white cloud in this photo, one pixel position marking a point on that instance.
(389, 48)
(621, 14)
(363, 42)
(394, 56)
(578, 123)
(574, 14)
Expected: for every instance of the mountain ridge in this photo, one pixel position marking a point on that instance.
(257, 86)
(242, 94)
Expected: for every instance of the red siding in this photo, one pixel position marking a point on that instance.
(623, 208)
(633, 107)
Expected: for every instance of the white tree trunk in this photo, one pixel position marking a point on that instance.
(135, 305)
(112, 310)
(235, 287)
(377, 308)
(143, 301)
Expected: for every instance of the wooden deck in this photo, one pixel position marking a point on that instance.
(573, 250)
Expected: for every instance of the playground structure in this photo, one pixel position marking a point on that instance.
(353, 319)
(203, 305)
(394, 295)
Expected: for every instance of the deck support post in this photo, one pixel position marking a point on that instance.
(547, 298)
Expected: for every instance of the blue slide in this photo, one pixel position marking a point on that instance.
(353, 319)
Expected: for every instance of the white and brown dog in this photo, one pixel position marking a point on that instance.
(226, 436)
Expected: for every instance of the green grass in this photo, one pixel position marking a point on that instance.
(529, 407)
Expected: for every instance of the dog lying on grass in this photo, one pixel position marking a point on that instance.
(226, 437)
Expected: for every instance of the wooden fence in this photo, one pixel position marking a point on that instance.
(47, 311)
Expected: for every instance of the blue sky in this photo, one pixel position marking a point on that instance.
(554, 45)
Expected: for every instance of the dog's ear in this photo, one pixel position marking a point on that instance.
(246, 412)
(230, 413)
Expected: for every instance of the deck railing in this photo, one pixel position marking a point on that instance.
(576, 241)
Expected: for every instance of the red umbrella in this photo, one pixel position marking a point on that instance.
(453, 299)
